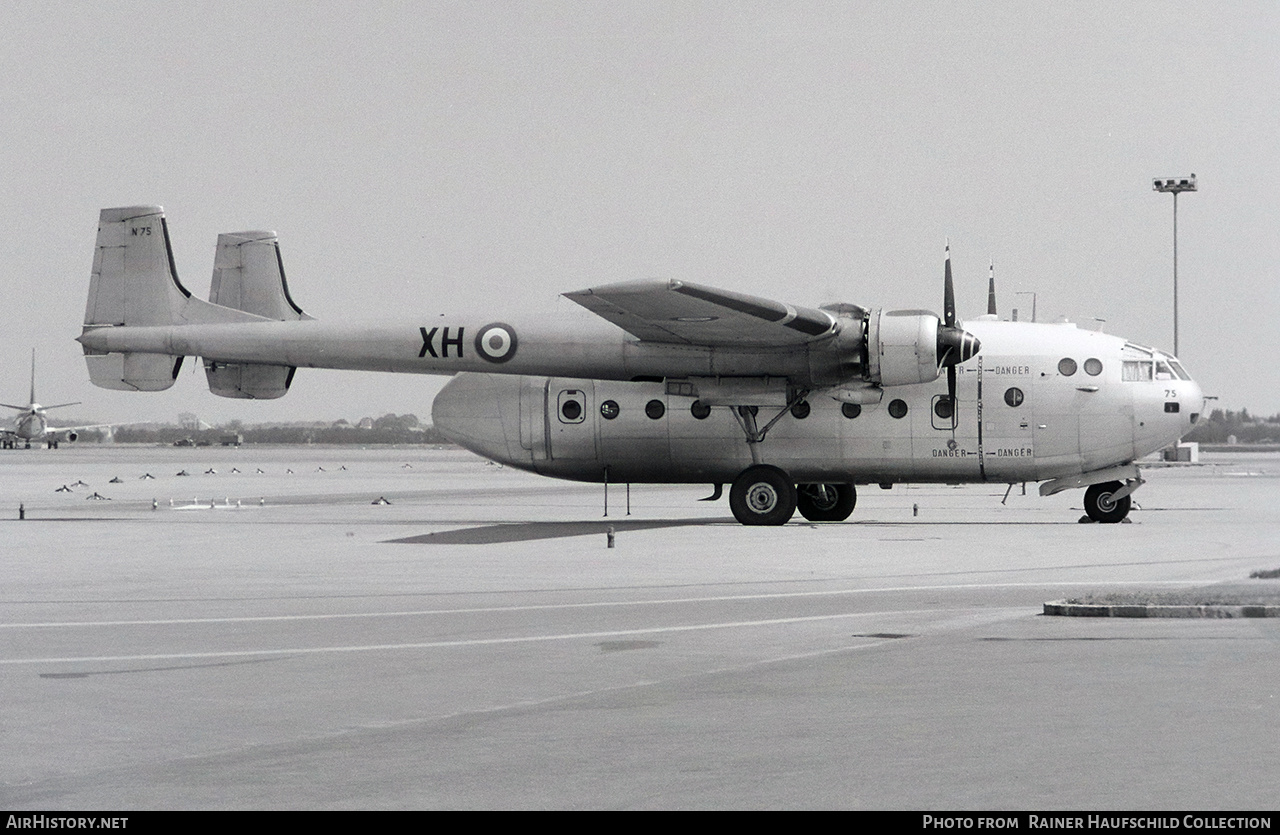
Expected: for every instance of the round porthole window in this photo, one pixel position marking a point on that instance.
(1093, 366)
(654, 409)
(1066, 366)
(700, 410)
(898, 408)
(850, 410)
(609, 409)
(800, 411)
(571, 410)
(1014, 397)
(943, 408)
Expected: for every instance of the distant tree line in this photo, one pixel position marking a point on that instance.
(1244, 427)
(388, 429)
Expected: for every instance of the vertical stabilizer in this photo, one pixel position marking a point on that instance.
(134, 281)
(248, 275)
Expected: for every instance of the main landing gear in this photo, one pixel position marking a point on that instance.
(764, 495)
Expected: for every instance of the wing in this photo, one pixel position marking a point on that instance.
(692, 314)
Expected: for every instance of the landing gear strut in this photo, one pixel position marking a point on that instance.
(762, 495)
(1101, 503)
(826, 502)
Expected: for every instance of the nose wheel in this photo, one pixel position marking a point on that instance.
(1102, 505)
(762, 495)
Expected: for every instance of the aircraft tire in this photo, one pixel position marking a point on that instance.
(762, 495)
(832, 505)
(1101, 507)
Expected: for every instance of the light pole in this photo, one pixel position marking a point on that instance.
(1175, 186)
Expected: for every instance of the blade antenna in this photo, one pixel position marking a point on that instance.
(991, 290)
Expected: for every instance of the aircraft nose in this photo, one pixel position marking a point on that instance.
(475, 411)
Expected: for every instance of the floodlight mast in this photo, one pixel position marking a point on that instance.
(1175, 186)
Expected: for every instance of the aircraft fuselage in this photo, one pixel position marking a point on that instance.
(1020, 417)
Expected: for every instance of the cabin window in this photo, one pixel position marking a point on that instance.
(1093, 366)
(800, 411)
(1066, 366)
(1014, 397)
(1136, 371)
(942, 408)
(609, 409)
(850, 410)
(655, 409)
(898, 409)
(700, 410)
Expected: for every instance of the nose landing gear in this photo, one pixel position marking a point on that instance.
(1108, 502)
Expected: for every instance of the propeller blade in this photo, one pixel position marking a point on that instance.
(948, 295)
(951, 394)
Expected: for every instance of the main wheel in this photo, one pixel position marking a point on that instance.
(1101, 505)
(762, 495)
(826, 502)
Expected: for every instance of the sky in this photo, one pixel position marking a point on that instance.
(426, 157)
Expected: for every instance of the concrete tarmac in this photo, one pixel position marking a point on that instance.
(274, 640)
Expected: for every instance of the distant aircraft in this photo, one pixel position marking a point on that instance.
(32, 424)
(678, 382)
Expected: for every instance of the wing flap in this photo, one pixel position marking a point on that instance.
(692, 314)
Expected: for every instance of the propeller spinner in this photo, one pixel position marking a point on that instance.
(955, 344)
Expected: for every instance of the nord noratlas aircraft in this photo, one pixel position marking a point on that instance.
(676, 382)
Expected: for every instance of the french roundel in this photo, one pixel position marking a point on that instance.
(496, 342)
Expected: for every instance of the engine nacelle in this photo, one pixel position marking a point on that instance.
(902, 347)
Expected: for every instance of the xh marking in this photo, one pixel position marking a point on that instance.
(428, 343)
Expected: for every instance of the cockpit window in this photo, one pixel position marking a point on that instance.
(1163, 371)
(1136, 371)
(1179, 370)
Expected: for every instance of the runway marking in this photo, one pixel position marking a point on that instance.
(473, 642)
(534, 607)
(562, 606)
(169, 668)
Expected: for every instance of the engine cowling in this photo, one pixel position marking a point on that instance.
(902, 347)
(893, 348)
